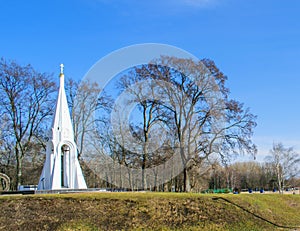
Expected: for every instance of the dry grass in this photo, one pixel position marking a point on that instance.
(148, 211)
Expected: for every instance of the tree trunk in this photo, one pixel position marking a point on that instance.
(186, 181)
(144, 164)
(144, 183)
(18, 168)
(279, 179)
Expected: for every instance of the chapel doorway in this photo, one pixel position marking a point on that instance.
(65, 151)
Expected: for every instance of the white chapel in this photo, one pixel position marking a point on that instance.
(61, 168)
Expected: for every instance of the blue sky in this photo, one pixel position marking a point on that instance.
(255, 43)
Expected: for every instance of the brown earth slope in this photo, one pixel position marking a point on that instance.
(149, 211)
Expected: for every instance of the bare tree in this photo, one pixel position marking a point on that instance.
(201, 118)
(25, 104)
(206, 121)
(285, 162)
(148, 106)
(83, 100)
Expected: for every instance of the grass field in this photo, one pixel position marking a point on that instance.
(150, 211)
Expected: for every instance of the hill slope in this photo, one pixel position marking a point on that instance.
(149, 211)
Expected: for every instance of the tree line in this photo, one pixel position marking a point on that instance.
(182, 128)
